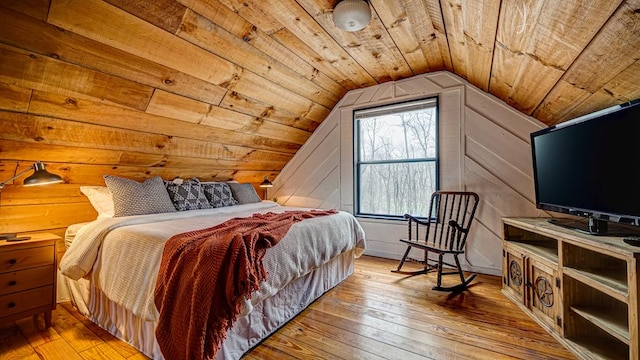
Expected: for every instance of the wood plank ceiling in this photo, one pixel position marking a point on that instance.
(224, 89)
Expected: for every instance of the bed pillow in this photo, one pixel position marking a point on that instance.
(101, 200)
(219, 194)
(188, 195)
(244, 193)
(133, 198)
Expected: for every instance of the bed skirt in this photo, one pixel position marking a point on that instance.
(247, 331)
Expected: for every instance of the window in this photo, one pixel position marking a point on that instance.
(396, 158)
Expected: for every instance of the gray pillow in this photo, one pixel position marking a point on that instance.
(133, 198)
(188, 195)
(244, 193)
(219, 194)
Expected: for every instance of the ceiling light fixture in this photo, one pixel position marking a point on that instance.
(352, 15)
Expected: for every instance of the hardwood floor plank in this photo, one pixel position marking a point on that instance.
(288, 347)
(138, 356)
(122, 348)
(101, 352)
(33, 329)
(13, 345)
(403, 337)
(267, 351)
(73, 332)
(57, 350)
(337, 343)
(441, 302)
(374, 314)
(469, 317)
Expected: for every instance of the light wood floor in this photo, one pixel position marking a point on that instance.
(374, 314)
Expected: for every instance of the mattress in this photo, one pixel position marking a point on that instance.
(315, 255)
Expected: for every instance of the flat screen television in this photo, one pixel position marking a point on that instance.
(590, 167)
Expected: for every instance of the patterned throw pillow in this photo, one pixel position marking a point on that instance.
(244, 193)
(219, 194)
(187, 196)
(133, 198)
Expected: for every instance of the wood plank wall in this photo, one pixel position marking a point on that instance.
(92, 87)
(484, 148)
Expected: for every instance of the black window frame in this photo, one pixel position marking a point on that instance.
(357, 163)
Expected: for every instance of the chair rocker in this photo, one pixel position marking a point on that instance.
(444, 233)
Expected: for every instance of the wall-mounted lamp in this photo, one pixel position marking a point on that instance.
(40, 176)
(266, 184)
(352, 15)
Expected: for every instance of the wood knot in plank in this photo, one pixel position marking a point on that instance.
(234, 79)
(399, 21)
(250, 35)
(315, 73)
(188, 27)
(267, 112)
(72, 101)
(167, 82)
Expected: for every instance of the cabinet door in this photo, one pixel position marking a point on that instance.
(545, 295)
(514, 276)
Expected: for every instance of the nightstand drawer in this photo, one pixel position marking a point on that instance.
(26, 258)
(24, 301)
(26, 279)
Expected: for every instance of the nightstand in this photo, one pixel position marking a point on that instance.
(28, 277)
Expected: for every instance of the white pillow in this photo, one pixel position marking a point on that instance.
(101, 200)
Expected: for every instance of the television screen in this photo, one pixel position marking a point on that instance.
(588, 166)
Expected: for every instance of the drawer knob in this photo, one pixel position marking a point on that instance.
(12, 283)
(11, 305)
(13, 261)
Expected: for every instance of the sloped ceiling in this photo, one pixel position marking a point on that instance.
(230, 89)
(236, 87)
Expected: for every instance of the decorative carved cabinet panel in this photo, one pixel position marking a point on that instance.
(582, 289)
(545, 302)
(532, 283)
(514, 274)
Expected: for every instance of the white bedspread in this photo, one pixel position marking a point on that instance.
(122, 255)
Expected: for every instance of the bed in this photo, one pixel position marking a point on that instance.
(111, 265)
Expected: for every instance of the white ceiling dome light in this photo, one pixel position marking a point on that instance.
(352, 15)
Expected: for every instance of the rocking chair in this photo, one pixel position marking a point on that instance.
(445, 232)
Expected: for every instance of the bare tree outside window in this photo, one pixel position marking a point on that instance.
(396, 158)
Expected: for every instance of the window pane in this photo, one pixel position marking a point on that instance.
(405, 135)
(397, 189)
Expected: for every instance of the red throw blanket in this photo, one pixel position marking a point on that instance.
(204, 276)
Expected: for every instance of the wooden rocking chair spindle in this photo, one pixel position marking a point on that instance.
(445, 233)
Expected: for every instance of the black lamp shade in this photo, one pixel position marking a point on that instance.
(266, 183)
(41, 176)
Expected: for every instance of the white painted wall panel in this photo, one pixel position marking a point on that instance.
(484, 147)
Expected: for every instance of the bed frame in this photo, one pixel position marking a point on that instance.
(247, 332)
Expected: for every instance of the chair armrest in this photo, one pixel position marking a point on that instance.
(415, 219)
(457, 226)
